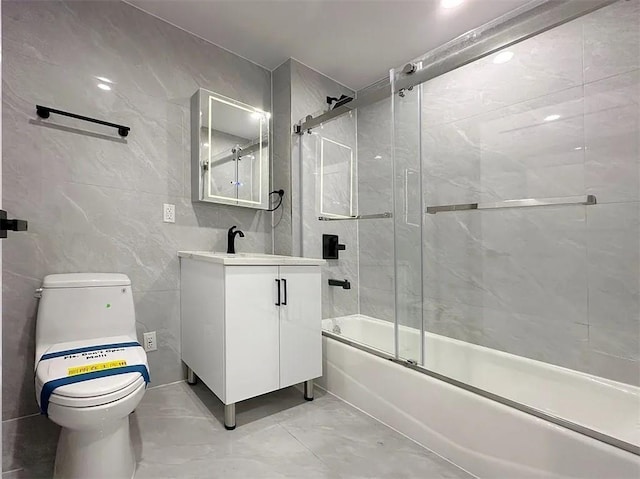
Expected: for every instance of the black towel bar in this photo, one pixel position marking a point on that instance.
(45, 111)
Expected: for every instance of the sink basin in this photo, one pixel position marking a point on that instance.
(249, 258)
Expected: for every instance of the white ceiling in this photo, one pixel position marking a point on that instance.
(355, 42)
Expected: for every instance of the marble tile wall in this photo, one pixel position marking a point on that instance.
(309, 90)
(559, 284)
(281, 163)
(299, 91)
(93, 200)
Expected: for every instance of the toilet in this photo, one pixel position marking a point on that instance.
(90, 372)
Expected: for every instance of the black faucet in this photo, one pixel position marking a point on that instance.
(231, 238)
(343, 284)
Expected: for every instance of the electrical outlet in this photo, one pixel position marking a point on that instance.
(169, 213)
(150, 341)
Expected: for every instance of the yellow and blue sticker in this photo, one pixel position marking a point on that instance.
(90, 368)
(86, 372)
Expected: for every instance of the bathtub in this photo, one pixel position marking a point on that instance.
(515, 431)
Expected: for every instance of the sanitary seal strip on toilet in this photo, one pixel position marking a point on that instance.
(72, 366)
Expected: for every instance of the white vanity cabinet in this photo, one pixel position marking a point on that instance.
(250, 324)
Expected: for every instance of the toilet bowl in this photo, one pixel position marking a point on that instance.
(91, 373)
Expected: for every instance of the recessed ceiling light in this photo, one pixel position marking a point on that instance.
(377, 157)
(102, 86)
(502, 57)
(104, 79)
(552, 118)
(450, 3)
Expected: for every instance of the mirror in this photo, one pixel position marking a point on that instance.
(229, 151)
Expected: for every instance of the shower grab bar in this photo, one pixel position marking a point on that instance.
(357, 217)
(523, 203)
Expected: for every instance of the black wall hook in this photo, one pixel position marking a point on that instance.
(45, 112)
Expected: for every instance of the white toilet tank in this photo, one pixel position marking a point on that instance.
(81, 306)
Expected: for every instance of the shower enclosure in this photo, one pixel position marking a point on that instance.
(488, 197)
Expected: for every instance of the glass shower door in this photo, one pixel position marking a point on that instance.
(347, 190)
(328, 199)
(407, 222)
(375, 233)
(531, 237)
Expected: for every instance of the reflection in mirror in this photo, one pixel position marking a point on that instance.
(230, 151)
(336, 179)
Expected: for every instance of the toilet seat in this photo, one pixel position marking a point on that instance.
(90, 392)
(82, 402)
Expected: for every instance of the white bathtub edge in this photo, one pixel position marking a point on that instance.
(390, 426)
(470, 431)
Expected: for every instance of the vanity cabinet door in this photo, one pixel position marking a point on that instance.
(251, 331)
(300, 325)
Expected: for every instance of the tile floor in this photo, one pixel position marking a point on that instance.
(178, 433)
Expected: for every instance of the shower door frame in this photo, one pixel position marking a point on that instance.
(529, 20)
(525, 22)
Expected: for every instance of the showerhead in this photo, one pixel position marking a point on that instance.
(334, 102)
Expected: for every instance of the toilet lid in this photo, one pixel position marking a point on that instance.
(108, 352)
(69, 401)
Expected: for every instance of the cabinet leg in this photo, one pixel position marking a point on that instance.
(230, 416)
(308, 390)
(191, 376)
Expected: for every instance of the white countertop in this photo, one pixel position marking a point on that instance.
(248, 259)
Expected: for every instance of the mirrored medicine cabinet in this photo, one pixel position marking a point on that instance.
(229, 151)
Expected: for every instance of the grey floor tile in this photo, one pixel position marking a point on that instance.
(29, 447)
(357, 446)
(178, 431)
(34, 471)
(269, 453)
